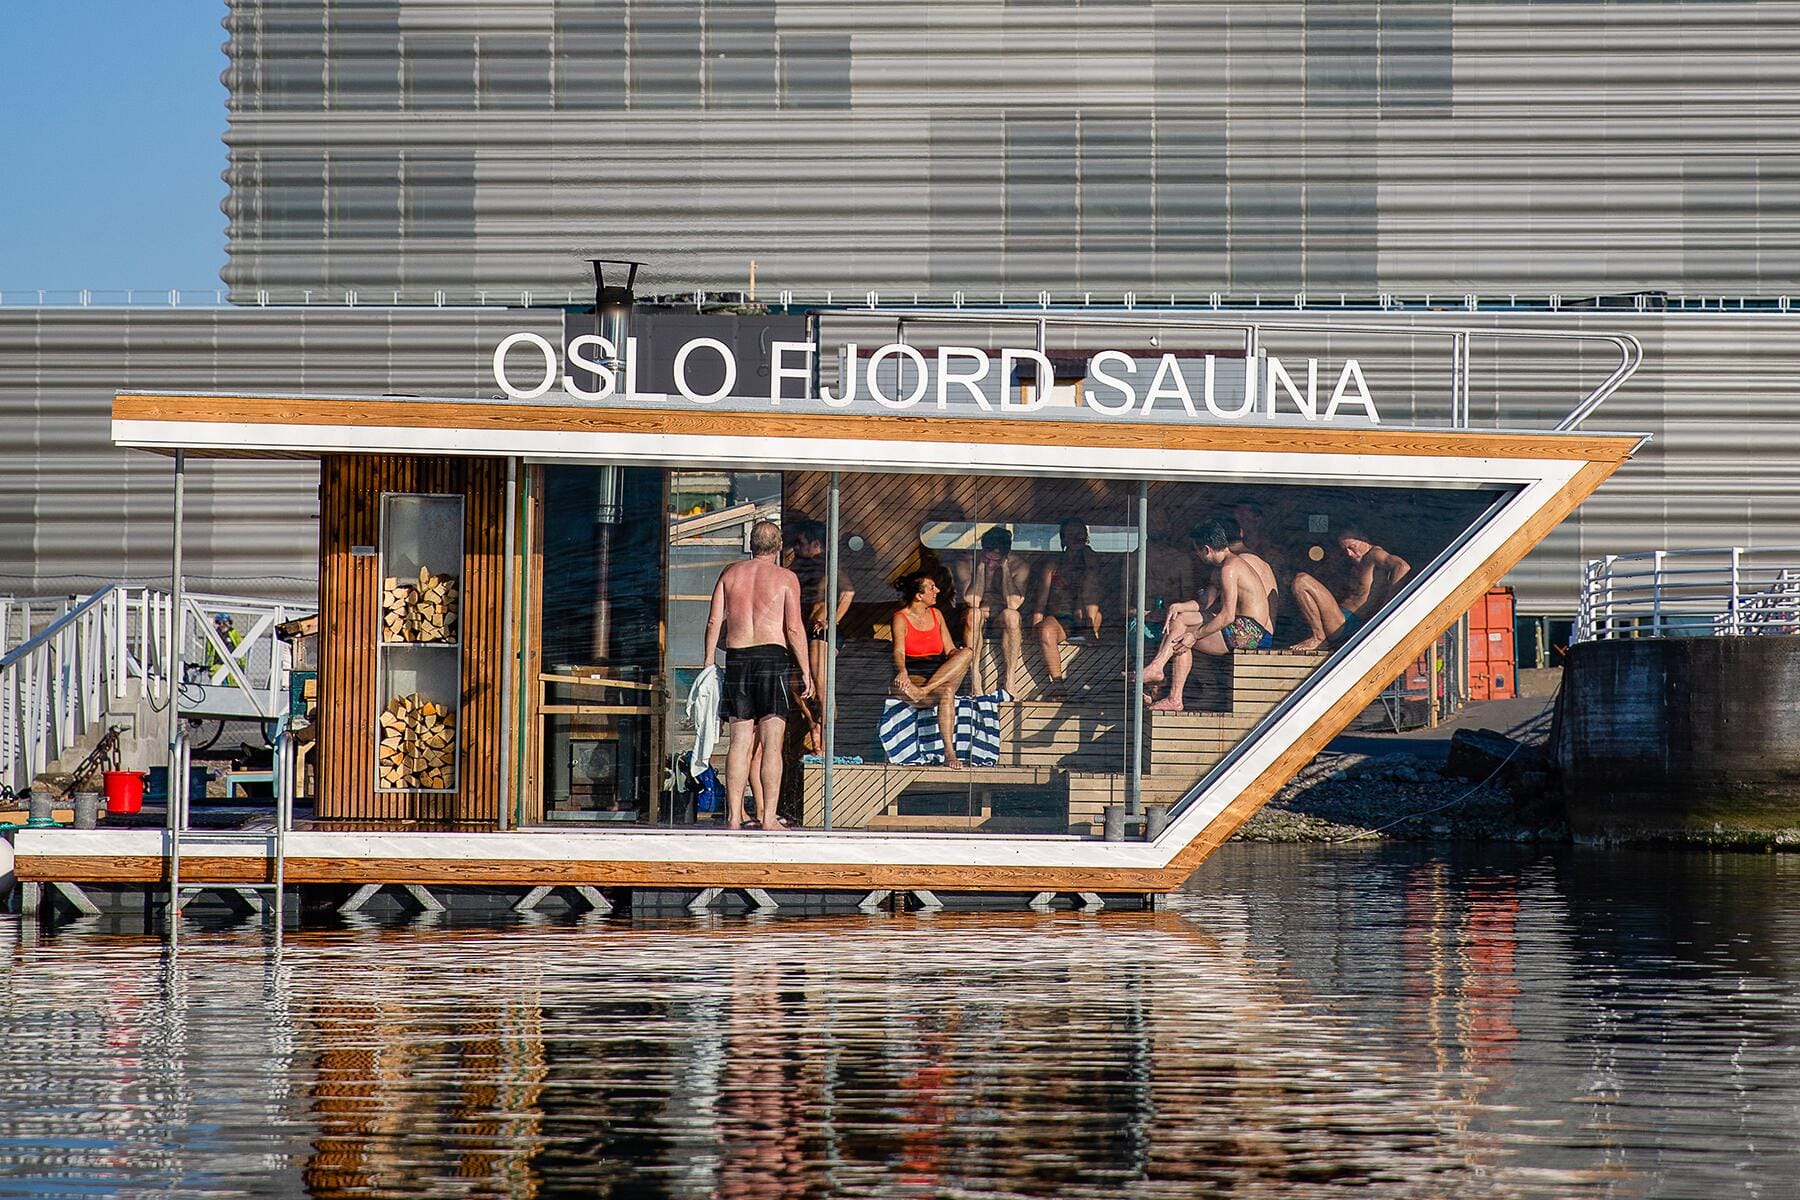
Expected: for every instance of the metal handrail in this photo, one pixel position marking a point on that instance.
(50, 631)
(551, 297)
(59, 681)
(1743, 592)
(1251, 330)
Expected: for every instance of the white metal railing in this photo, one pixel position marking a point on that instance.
(65, 661)
(567, 297)
(1720, 591)
(1249, 332)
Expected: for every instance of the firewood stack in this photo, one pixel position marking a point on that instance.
(418, 744)
(419, 611)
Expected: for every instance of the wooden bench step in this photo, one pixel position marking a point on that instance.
(980, 823)
(861, 793)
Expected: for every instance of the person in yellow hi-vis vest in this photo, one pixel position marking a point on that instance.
(228, 634)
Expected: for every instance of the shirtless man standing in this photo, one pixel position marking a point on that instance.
(757, 606)
(1244, 618)
(1376, 577)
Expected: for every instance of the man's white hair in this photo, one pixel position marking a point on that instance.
(765, 538)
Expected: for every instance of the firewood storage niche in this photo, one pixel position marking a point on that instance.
(417, 616)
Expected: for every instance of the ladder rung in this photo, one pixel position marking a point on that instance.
(224, 887)
(224, 835)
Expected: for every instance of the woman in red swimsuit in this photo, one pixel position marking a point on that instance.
(928, 665)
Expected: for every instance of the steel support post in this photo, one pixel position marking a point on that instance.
(828, 685)
(1133, 791)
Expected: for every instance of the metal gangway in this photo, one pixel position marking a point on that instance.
(1717, 591)
(66, 662)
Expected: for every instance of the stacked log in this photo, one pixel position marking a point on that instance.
(421, 610)
(418, 744)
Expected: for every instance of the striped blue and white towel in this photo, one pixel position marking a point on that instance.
(911, 737)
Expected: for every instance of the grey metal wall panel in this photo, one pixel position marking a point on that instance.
(76, 512)
(1406, 146)
(1715, 392)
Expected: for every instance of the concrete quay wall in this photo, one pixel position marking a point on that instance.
(1682, 739)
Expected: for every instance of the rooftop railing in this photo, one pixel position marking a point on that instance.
(806, 299)
(1721, 591)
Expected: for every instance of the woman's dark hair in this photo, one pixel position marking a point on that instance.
(909, 586)
(997, 539)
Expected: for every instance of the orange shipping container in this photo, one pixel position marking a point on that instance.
(1493, 660)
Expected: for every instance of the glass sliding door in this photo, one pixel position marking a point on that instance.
(598, 686)
(709, 524)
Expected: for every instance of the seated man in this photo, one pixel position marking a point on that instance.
(995, 590)
(1375, 577)
(1237, 612)
(1067, 605)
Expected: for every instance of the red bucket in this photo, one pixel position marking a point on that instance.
(124, 791)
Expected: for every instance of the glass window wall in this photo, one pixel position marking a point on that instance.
(986, 634)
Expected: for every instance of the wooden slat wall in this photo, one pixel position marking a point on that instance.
(351, 487)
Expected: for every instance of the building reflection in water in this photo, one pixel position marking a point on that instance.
(1019, 1053)
(1409, 1023)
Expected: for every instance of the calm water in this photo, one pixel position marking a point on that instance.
(1306, 1022)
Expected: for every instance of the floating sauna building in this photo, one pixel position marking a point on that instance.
(514, 593)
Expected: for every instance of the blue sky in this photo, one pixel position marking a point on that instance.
(111, 114)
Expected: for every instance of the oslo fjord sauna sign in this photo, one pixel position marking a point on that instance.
(899, 376)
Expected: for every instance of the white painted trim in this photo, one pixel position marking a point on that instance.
(820, 848)
(1540, 479)
(845, 454)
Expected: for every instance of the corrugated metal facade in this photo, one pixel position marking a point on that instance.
(76, 512)
(1343, 145)
(481, 149)
(1716, 392)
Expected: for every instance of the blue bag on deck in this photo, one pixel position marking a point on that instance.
(707, 792)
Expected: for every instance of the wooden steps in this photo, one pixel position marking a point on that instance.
(874, 795)
(1061, 761)
(1091, 791)
(1048, 733)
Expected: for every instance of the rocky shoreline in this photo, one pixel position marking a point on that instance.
(1355, 797)
(1492, 789)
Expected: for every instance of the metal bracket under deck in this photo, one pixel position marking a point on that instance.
(1090, 901)
(589, 896)
(760, 901)
(33, 895)
(368, 891)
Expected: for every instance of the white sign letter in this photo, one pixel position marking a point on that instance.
(846, 372)
(882, 355)
(1309, 407)
(1176, 387)
(600, 367)
(1352, 373)
(544, 348)
(1228, 414)
(946, 376)
(1102, 378)
(1046, 379)
(724, 351)
(778, 372)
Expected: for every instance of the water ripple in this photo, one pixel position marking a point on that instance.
(1304, 1023)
